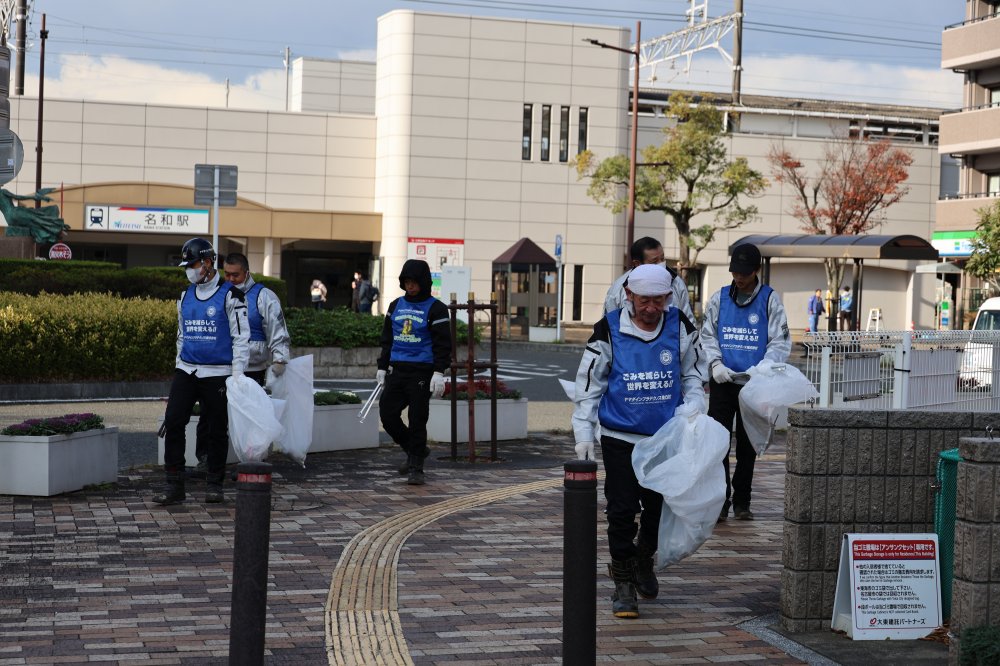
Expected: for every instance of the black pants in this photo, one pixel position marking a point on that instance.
(845, 321)
(723, 406)
(201, 444)
(407, 388)
(626, 498)
(185, 390)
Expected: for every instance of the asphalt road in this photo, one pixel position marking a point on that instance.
(535, 373)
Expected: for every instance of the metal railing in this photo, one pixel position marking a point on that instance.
(927, 370)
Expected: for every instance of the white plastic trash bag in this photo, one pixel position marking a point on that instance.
(295, 387)
(252, 424)
(683, 462)
(765, 399)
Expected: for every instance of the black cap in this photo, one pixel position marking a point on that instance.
(746, 259)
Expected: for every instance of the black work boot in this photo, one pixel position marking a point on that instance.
(623, 601)
(404, 467)
(173, 489)
(416, 471)
(645, 577)
(214, 494)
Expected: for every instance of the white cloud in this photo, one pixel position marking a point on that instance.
(116, 79)
(813, 77)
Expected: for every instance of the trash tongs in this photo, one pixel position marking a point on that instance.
(372, 400)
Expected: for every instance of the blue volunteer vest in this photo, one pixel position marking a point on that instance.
(205, 326)
(411, 332)
(254, 315)
(742, 330)
(644, 387)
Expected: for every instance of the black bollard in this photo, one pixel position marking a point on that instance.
(580, 562)
(250, 546)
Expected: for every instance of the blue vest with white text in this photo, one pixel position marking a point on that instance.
(644, 387)
(411, 332)
(254, 315)
(742, 329)
(205, 327)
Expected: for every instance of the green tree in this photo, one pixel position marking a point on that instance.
(688, 175)
(985, 260)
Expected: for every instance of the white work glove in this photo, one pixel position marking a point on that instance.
(237, 374)
(585, 450)
(278, 368)
(380, 377)
(437, 385)
(721, 374)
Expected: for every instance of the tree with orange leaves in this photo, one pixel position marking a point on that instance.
(858, 180)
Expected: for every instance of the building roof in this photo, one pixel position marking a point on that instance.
(865, 246)
(792, 105)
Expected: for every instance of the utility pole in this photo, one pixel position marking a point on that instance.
(41, 100)
(21, 16)
(634, 137)
(227, 92)
(737, 50)
(288, 70)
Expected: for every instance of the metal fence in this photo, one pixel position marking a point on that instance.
(927, 370)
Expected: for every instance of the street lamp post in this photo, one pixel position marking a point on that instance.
(633, 150)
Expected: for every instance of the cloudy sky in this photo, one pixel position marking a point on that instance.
(183, 51)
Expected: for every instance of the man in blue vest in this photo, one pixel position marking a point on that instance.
(641, 362)
(648, 250)
(212, 344)
(269, 340)
(416, 350)
(744, 323)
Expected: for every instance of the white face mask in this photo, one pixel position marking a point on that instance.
(193, 275)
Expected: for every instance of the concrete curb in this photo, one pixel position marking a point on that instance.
(82, 391)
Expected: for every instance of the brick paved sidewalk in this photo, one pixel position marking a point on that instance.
(104, 575)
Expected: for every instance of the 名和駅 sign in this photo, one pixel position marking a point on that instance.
(888, 586)
(146, 219)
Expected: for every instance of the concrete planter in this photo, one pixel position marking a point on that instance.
(190, 442)
(46, 466)
(512, 420)
(542, 334)
(337, 428)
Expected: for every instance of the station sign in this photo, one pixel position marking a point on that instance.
(60, 251)
(146, 219)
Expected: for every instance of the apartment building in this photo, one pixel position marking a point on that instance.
(971, 136)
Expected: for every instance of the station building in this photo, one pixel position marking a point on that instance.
(456, 143)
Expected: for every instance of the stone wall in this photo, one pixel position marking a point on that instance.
(856, 472)
(357, 363)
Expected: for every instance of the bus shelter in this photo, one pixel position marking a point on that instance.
(855, 248)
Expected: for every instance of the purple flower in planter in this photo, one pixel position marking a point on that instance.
(60, 425)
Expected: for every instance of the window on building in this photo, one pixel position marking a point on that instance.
(526, 133)
(578, 292)
(993, 184)
(582, 141)
(546, 130)
(994, 96)
(564, 134)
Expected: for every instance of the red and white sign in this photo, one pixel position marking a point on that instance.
(888, 586)
(60, 251)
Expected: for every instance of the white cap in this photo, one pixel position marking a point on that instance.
(649, 280)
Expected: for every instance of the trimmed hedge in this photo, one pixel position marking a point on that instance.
(340, 327)
(92, 337)
(30, 276)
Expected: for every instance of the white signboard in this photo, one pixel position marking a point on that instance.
(437, 252)
(888, 587)
(146, 219)
(456, 280)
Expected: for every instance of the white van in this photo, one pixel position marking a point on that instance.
(977, 359)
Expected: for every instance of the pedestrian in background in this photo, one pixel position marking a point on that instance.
(815, 309)
(640, 363)
(212, 343)
(846, 306)
(365, 293)
(416, 350)
(745, 323)
(317, 293)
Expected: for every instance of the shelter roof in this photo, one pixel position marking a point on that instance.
(865, 246)
(523, 253)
